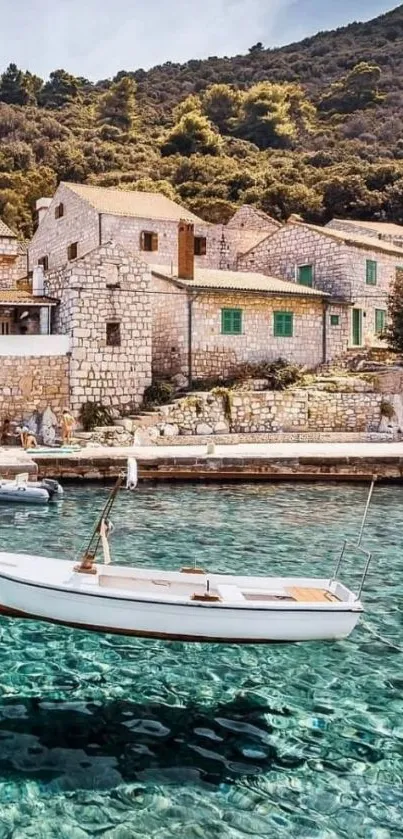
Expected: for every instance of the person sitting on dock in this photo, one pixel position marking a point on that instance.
(67, 427)
(28, 439)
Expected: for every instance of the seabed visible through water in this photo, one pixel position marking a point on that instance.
(129, 739)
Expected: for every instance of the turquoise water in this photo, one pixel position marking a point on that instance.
(102, 736)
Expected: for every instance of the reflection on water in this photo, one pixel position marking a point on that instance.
(129, 739)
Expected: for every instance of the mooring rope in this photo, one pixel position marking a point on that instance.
(376, 635)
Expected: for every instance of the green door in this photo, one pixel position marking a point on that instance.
(357, 327)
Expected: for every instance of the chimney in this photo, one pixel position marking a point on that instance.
(42, 205)
(186, 249)
(38, 278)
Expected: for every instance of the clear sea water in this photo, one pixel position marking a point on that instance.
(103, 736)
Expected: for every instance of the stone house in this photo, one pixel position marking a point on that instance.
(206, 322)
(81, 217)
(105, 310)
(354, 268)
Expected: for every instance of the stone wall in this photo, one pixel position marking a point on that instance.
(79, 223)
(32, 383)
(289, 411)
(215, 354)
(106, 286)
(9, 261)
(127, 232)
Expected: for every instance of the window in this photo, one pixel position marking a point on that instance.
(283, 324)
(380, 321)
(371, 272)
(59, 211)
(44, 261)
(148, 241)
(5, 327)
(231, 321)
(113, 334)
(334, 320)
(200, 246)
(72, 251)
(305, 275)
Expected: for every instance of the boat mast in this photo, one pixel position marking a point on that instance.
(87, 564)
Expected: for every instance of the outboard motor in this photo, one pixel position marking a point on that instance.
(53, 488)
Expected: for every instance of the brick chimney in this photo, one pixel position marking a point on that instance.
(186, 249)
(42, 205)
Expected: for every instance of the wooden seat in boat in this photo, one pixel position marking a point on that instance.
(312, 595)
(228, 592)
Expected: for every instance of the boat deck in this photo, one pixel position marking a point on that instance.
(311, 595)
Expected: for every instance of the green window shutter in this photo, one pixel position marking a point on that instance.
(334, 320)
(231, 321)
(371, 274)
(283, 324)
(380, 321)
(305, 275)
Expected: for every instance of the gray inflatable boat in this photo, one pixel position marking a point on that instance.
(24, 491)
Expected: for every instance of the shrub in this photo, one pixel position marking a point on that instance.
(387, 410)
(158, 393)
(93, 414)
(279, 374)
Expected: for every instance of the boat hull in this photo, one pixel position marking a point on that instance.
(191, 621)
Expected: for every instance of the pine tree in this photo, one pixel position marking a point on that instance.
(118, 105)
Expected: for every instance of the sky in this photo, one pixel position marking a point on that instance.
(97, 38)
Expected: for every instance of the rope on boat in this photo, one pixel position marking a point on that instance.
(378, 637)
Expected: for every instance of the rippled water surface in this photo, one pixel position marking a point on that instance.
(128, 739)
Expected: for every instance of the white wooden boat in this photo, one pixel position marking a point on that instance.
(23, 491)
(176, 605)
(187, 604)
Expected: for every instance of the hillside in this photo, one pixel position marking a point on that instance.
(314, 128)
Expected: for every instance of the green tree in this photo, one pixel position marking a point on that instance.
(394, 332)
(220, 104)
(13, 86)
(356, 90)
(272, 115)
(61, 89)
(192, 134)
(118, 105)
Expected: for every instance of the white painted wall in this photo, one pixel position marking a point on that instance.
(34, 345)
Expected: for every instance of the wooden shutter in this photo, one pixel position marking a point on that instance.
(305, 275)
(231, 321)
(154, 241)
(380, 319)
(283, 324)
(142, 240)
(371, 273)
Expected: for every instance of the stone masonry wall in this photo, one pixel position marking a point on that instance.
(127, 232)
(290, 411)
(53, 236)
(9, 262)
(107, 285)
(214, 354)
(32, 383)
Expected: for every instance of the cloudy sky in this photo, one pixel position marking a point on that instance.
(96, 38)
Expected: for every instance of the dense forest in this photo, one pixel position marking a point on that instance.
(314, 128)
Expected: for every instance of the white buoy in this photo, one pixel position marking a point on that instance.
(132, 473)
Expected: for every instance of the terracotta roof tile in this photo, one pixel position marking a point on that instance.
(238, 281)
(21, 297)
(121, 202)
(5, 231)
(351, 238)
